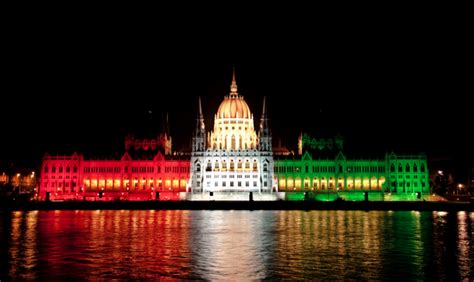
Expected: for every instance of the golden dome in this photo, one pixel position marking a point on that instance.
(234, 107)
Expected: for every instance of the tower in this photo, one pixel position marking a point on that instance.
(265, 138)
(235, 159)
(197, 154)
(266, 151)
(199, 137)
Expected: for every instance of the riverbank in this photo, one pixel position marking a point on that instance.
(240, 205)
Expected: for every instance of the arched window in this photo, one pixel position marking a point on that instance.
(400, 169)
(265, 167)
(422, 168)
(232, 166)
(53, 169)
(68, 169)
(255, 166)
(45, 169)
(306, 169)
(209, 166)
(232, 140)
(198, 167)
(407, 168)
(392, 168)
(60, 169)
(415, 168)
(74, 169)
(340, 168)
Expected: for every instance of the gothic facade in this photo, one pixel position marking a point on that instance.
(234, 158)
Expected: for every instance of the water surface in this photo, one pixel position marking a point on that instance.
(237, 245)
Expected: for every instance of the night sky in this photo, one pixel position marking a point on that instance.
(405, 96)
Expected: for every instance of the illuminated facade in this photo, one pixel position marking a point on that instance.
(324, 172)
(234, 159)
(146, 171)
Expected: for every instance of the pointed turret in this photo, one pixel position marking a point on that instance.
(264, 119)
(233, 86)
(265, 135)
(199, 139)
(201, 117)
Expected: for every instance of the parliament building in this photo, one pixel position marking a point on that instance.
(234, 161)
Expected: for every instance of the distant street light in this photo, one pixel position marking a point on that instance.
(18, 179)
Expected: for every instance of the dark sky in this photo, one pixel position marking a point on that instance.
(406, 94)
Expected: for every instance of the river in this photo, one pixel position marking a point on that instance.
(236, 245)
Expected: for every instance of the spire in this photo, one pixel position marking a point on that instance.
(265, 134)
(200, 117)
(200, 108)
(264, 119)
(199, 138)
(233, 87)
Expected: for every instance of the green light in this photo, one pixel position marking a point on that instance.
(393, 178)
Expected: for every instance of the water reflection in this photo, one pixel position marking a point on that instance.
(237, 245)
(330, 244)
(232, 245)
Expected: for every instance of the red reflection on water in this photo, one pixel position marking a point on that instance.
(115, 244)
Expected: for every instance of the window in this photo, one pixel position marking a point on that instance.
(415, 168)
(392, 168)
(422, 168)
(46, 170)
(400, 169)
(306, 169)
(74, 169)
(407, 168)
(60, 169)
(53, 169)
(68, 169)
(265, 167)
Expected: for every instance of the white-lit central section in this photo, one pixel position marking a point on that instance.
(233, 126)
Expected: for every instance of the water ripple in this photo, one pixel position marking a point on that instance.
(236, 245)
